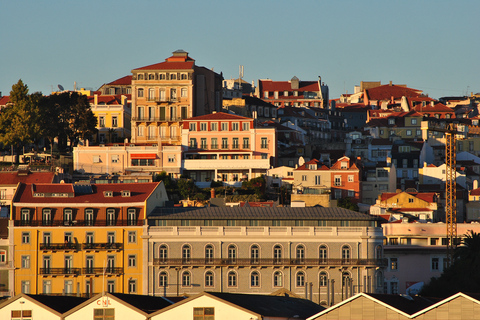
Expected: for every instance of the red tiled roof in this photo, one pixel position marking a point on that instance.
(169, 66)
(139, 192)
(280, 86)
(218, 116)
(13, 178)
(386, 92)
(4, 100)
(124, 81)
(431, 166)
(475, 192)
(106, 99)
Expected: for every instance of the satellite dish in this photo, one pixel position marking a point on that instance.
(61, 87)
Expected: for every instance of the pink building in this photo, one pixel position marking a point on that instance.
(226, 147)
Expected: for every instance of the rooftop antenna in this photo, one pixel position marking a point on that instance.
(75, 86)
(240, 76)
(60, 87)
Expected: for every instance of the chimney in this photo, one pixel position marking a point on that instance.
(212, 193)
(95, 99)
(390, 84)
(124, 99)
(432, 103)
(475, 184)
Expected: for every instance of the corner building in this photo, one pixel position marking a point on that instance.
(324, 254)
(81, 239)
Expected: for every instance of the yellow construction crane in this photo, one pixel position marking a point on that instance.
(451, 131)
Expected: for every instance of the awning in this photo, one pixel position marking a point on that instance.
(144, 156)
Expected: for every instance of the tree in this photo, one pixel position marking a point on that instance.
(347, 204)
(19, 122)
(462, 275)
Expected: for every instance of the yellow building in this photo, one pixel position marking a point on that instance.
(81, 239)
(113, 113)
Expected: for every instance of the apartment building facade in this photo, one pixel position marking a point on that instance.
(80, 238)
(226, 147)
(329, 253)
(166, 93)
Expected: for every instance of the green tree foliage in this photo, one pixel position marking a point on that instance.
(257, 184)
(33, 116)
(187, 188)
(347, 204)
(462, 275)
(19, 122)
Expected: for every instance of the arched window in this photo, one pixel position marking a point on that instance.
(323, 279)
(173, 76)
(277, 279)
(46, 217)
(232, 279)
(232, 254)
(209, 254)
(161, 76)
(131, 217)
(140, 90)
(151, 76)
(184, 76)
(209, 279)
(110, 217)
(67, 216)
(277, 254)
(89, 217)
(300, 279)
(255, 279)
(346, 278)
(378, 252)
(163, 253)
(186, 279)
(186, 253)
(345, 254)
(323, 254)
(163, 279)
(140, 76)
(300, 254)
(254, 254)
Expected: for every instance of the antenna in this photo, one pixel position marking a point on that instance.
(61, 87)
(240, 72)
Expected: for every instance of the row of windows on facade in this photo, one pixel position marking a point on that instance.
(264, 111)
(300, 252)
(162, 76)
(337, 180)
(255, 279)
(151, 113)
(101, 121)
(160, 95)
(68, 289)
(89, 216)
(434, 264)
(295, 93)
(408, 132)
(224, 143)
(89, 237)
(221, 156)
(408, 241)
(224, 126)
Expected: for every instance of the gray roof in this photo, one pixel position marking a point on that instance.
(258, 213)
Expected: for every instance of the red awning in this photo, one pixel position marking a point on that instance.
(144, 156)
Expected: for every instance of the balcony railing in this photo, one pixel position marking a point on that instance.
(56, 223)
(79, 271)
(60, 271)
(270, 262)
(59, 246)
(108, 270)
(102, 246)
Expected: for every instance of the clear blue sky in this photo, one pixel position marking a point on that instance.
(432, 45)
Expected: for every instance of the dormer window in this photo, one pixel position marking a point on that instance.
(126, 193)
(313, 167)
(285, 93)
(344, 165)
(108, 193)
(391, 121)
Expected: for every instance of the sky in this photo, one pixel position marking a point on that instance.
(431, 45)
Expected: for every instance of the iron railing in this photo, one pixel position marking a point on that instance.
(269, 262)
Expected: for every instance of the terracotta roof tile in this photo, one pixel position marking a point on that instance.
(386, 92)
(13, 178)
(218, 116)
(124, 81)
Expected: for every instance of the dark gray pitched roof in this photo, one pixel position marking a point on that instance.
(147, 304)
(60, 304)
(272, 306)
(259, 213)
(407, 304)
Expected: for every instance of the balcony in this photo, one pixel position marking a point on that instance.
(59, 246)
(60, 271)
(102, 246)
(225, 164)
(245, 262)
(76, 223)
(108, 270)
